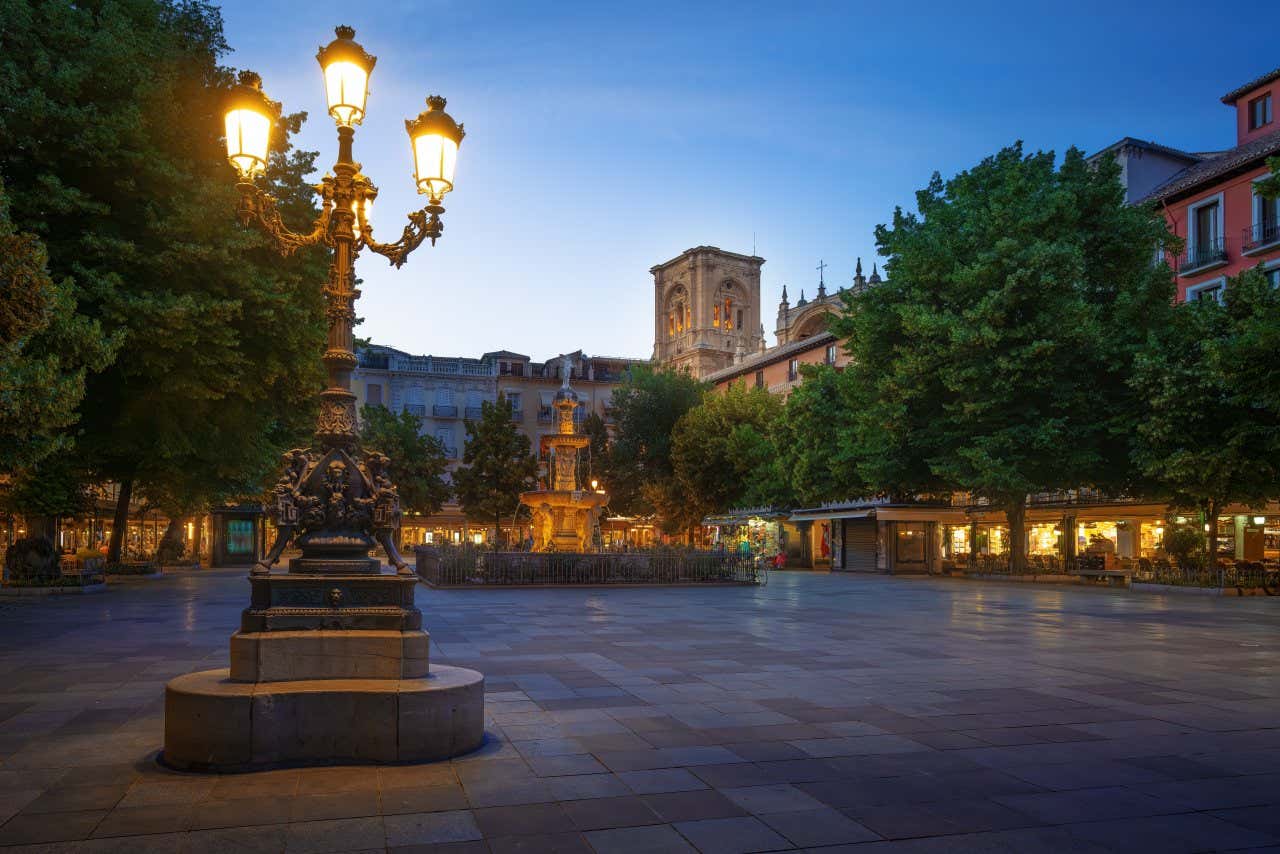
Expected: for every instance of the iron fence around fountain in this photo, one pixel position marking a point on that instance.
(468, 566)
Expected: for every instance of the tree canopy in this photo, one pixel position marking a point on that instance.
(418, 462)
(113, 158)
(995, 358)
(646, 407)
(497, 466)
(1211, 435)
(724, 453)
(816, 445)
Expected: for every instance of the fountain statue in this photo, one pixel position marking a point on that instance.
(566, 517)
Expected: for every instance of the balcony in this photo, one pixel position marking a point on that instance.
(441, 410)
(1206, 255)
(1259, 237)
(418, 409)
(472, 413)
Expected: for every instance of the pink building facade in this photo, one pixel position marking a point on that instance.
(1210, 199)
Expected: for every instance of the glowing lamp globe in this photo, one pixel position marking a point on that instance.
(248, 126)
(435, 137)
(346, 68)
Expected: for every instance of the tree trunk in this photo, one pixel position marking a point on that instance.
(120, 523)
(1213, 506)
(170, 546)
(197, 538)
(1017, 514)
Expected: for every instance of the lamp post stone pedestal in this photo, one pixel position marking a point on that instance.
(331, 663)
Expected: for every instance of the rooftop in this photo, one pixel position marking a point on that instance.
(1235, 94)
(1202, 172)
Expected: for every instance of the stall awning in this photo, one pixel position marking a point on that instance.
(826, 515)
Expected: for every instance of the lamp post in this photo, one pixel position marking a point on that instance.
(335, 499)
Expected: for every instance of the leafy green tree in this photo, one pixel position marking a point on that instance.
(1212, 434)
(46, 351)
(996, 357)
(725, 455)
(47, 491)
(815, 440)
(647, 406)
(113, 157)
(497, 466)
(418, 462)
(1270, 188)
(593, 461)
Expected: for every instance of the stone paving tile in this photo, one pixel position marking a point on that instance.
(603, 813)
(655, 839)
(731, 835)
(822, 710)
(819, 827)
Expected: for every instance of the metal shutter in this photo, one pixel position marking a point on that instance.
(858, 545)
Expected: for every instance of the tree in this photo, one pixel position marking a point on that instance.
(593, 461)
(113, 158)
(418, 462)
(46, 351)
(815, 443)
(724, 453)
(996, 357)
(1270, 188)
(1212, 434)
(647, 406)
(496, 466)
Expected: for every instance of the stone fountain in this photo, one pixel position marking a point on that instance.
(566, 516)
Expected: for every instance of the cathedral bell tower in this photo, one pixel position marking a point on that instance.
(706, 309)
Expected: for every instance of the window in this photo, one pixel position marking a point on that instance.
(444, 435)
(1273, 276)
(1260, 112)
(373, 394)
(715, 316)
(793, 370)
(728, 309)
(1206, 225)
(739, 318)
(474, 398)
(513, 400)
(1212, 289)
(831, 354)
(759, 379)
(444, 396)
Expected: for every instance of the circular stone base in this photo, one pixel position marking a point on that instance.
(214, 724)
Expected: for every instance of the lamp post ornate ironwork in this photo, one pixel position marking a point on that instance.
(336, 500)
(331, 663)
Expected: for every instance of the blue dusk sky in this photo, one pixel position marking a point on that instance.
(604, 138)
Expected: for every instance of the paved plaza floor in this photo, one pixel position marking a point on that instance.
(822, 712)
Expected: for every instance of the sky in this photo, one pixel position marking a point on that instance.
(604, 138)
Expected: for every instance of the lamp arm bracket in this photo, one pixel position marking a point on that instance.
(258, 207)
(423, 224)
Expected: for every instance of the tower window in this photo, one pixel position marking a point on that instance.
(715, 316)
(739, 318)
(728, 308)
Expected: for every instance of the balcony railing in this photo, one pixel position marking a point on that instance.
(472, 413)
(441, 410)
(1206, 254)
(1260, 236)
(418, 409)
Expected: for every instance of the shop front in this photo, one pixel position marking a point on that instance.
(757, 532)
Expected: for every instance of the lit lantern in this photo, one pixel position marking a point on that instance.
(435, 137)
(363, 213)
(248, 126)
(346, 69)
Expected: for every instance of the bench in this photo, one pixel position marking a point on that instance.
(1113, 577)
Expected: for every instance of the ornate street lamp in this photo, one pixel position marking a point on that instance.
(336, 500)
